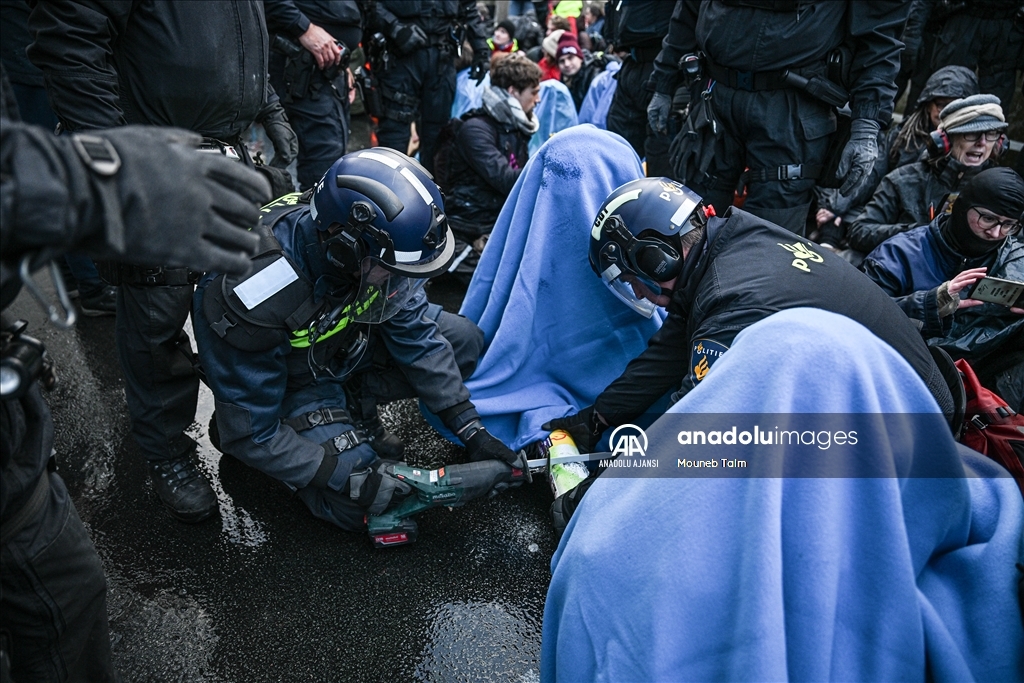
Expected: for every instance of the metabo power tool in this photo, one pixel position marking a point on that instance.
(451, 485)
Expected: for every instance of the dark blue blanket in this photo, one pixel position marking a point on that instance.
(897, 578)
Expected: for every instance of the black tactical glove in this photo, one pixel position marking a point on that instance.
(479, 70)
(374, 488)
(482, 445)
(859, 155)
(408, 38)
(585, 428)
(167, 203)
(658, 112)
(286, 143)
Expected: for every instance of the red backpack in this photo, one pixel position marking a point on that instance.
(990, 426)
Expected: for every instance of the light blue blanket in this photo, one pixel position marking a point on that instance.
(555, 112)
(599, 96)
(555, 336)
(898, 578)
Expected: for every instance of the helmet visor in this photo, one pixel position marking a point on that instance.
(631, 292)
(381, 293)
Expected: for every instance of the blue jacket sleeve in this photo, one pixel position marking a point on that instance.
(424, 355)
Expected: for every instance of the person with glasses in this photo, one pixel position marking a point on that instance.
(967, 140)
(929, 271)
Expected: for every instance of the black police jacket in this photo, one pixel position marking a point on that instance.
(739, 35)
(745, 270)
(341, 18)
(640, 24)
(436, 18)
(195, 65)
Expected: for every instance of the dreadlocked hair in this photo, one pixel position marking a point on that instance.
(916, 129)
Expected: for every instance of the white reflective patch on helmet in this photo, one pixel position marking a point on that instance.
(415, 182)
(683, 212)
(408, 256)
(607, 211)
(387, 161)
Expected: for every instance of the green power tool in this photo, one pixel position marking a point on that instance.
(451, 485)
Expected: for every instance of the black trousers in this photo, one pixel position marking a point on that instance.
(320, 120)
(54, 598)
(161, 383)
(767, 129)
(417, 87)
(627, 116)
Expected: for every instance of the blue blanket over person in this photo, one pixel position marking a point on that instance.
(599, 96)
(554, 335)
(555, 112)
(776, 579)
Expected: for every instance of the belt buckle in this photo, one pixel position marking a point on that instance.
(791, 172)
(153, 276)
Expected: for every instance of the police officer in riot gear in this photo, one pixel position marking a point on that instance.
(201, 66)
(333, 321)
(767, 78)
(137, 194)
(655, 243)
(417, 81)
(310, 46)
(637, 29)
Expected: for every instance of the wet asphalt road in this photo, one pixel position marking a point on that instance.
(265, 592)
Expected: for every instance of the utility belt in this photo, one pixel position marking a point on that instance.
(302, 77)
(644, 54)
(812, 80)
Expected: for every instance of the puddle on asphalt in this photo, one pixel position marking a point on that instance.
(480, 641)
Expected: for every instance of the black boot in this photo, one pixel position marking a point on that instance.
(183, 489)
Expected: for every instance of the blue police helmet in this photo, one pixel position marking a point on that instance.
(636, 236)
(381, 204)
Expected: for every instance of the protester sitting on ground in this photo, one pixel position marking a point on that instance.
(504, 38)
(487, 155)
(929, 271)
(599, 97)
(554, 335)
(748, 575)
(577, 67)
(903, 144)
(547, 60)
(969, 131)
(555, 112)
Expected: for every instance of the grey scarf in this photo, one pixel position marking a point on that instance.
(506, 110)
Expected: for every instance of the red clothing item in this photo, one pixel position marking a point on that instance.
(549, 69)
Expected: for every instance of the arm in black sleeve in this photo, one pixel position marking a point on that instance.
(874, 30)
(660, 368)
(73, 46)
(476, 34)
(285, 18)
(920, 11)
(681, 40)
(46, 197)
(478, 144)
(880, 218)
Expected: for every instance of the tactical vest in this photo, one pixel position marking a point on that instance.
(770, 5)
(274, 303)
